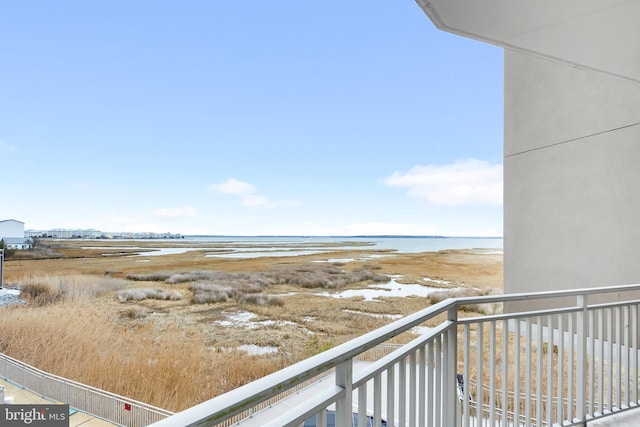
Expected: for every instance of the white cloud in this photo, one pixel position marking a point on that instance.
(245, 191)
(185, 211)
(5, 147)
(234, 187)
(465, 182)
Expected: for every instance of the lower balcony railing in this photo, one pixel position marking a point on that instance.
(118, 410)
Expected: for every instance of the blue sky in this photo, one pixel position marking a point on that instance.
(226, 117)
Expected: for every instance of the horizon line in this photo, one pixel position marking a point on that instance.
(427, 236)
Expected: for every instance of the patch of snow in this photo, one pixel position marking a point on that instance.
(333, 260)
(375, 315)
(257, 350)
(438, 281)
(9, 296)
(286, 294)
(390, 289)
(243, 319)
(239, 319)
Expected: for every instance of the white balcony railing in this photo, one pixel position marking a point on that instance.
(563, 366)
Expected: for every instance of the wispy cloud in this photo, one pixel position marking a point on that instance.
(246, 192)
(185, 211)
(5, 147)
(234, 187)
(465, 182)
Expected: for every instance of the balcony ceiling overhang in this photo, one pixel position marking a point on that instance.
(602, 35)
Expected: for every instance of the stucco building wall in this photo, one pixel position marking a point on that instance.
(571, 176)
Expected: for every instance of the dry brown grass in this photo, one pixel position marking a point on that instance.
(138, 294)
(158, 364)
(48, 289)
(174, 353)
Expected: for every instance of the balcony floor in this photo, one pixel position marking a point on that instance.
(630, 418)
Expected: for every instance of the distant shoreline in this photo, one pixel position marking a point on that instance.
(357, 236)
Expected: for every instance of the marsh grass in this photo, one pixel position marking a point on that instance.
(138, 294)
(167, 367)
(216, 286)
(44, 290)
(263, 299)
(164, 352)
(306, 276)
(204, 293)
(134, 312)
(37, 252)
(210, 292)
(158, 276)
(323, 276)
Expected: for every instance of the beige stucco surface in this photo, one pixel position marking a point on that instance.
(572, 177)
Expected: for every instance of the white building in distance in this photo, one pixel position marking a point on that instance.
(12, 235)
(11, 228)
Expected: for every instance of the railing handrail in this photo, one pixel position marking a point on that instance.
(486, 299)
(244, 398)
